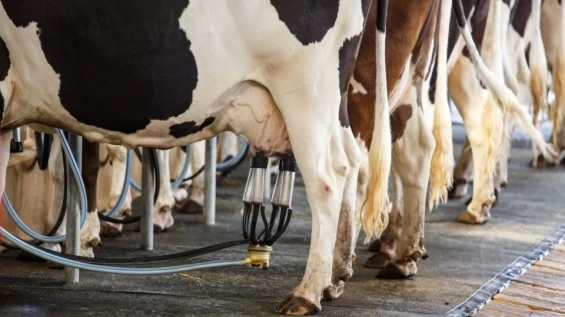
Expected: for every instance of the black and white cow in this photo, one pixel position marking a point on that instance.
(164, 74)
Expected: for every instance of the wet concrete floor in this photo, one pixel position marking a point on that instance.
(462, 258)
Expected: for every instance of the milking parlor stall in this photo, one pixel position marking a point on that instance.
(254, 158)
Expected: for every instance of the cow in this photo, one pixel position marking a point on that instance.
(401, 245)
(486, 127)
(419, 119)
(523, 40)
(155, 74)
(553, 36)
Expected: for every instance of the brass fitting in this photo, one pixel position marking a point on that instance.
(259, 255)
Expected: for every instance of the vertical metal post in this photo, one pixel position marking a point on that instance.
(72, 243)
(147, 192)
(210, 181)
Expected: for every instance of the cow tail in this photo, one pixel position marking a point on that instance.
(374, 214)
(559, 83)
(441, 168)
(504, 97)
(538, 65)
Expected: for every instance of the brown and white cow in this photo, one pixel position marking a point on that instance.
(402, 243)
(553, 36)
(523, 39)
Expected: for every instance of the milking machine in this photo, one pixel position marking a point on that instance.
(260, 245)
(281, 200)
(16, 145)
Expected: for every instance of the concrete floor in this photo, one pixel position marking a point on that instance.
(462, 258)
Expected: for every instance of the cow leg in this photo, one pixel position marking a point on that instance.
(345, 242)
(501, 173)
(228, 148)
(362, 180)
(324, 166)
(5, 138)
(412, 154)
(117, 157)
(56, 171)
(463, 172)
(387, 244)
(162, 214)
(90, 233)
(177, 157)
(480, 118)
(195, 203)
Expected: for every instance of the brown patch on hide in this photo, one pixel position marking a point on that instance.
(399, 119)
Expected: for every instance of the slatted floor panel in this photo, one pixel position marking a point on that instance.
(538, 292)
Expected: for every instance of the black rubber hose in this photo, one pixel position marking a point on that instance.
(125, 221)
(156, 174)
(153, 259)
(43, 149)
(198, 172)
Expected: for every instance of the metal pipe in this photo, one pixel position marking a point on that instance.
(147, 191)
(113, 269)
(210, 182)
(72, 243)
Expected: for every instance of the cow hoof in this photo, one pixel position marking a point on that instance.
(541, 162)
(375, 246)
(28, 257)
(496, 196)
(87, 252)
(297, 306)
(158, 229)
(452, 193)
(401, 271)
(457, 191)
(191, 207)
(562, 163)
(469, 218)
(109, 231)
(333, 291)
(377, 261)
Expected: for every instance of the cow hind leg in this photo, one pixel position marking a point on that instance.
(324, 166)
(90, 233)
(117, 159)
(5, 138)
(162, 214)
(387, 243)
(345, 242)
(195, 202)
(463, 172)
(501, 175)
(412, 154)
(481, 119)
(56, 171)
